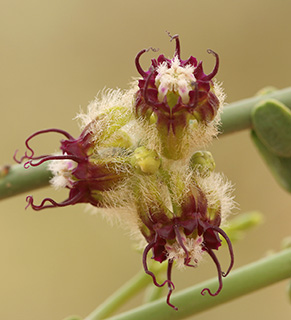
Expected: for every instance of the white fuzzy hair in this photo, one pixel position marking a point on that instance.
(110, 111)
(218, 190)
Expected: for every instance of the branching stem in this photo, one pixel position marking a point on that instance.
(240, 282)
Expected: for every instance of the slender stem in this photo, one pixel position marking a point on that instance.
(236, 117)
(140, 281)
(240, 282)
(153, 293)
(16, 179)
(123, 294)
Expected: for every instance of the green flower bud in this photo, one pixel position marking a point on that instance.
(145, 161)
(202, 161)
(119, 139)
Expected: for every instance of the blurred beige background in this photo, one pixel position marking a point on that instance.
(55, 56)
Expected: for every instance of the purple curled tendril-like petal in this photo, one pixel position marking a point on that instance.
(31, 157)
(67, 202)
(170, 286)
(48, 158)
(178, 49)
(215, 69)
(224, 235)
(137, 64)
(214, 258)
(145, 266)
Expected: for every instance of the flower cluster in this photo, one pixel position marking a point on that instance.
(139, 152)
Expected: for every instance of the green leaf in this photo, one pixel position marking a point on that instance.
(271, 121)
(279, 166)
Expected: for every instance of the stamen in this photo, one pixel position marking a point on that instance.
(214, 258)
(181, 243)
(215, 69)
(145, 266)
(169, 274)
(224, 235)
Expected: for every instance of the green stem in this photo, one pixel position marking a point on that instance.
(123, 294)
(236, 117)
(15, 179)
(126, 292)
(240, 282)
(153, 293)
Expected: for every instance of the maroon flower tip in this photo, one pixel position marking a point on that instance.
(83, 177)
(193, 232)
(173, 92)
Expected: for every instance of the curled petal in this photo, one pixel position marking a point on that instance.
(177, 50)
(214, 258)
(224, 235)
(48, 158)
(67, 202)
(213, 73)
(170, 283)
(145, 266)
(31, 157)
(137, 64)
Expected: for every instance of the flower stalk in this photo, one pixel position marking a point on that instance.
(139, 282)
(240, 282)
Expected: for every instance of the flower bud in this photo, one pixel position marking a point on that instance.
(202, 161)
(145, 161)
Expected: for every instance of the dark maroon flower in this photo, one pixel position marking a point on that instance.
(79, 168)
(174, 91)
(184, 237)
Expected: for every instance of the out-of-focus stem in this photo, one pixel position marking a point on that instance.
(16, 179)
(126, 292)
(239, 282)
(131, 288)
(237, 115)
